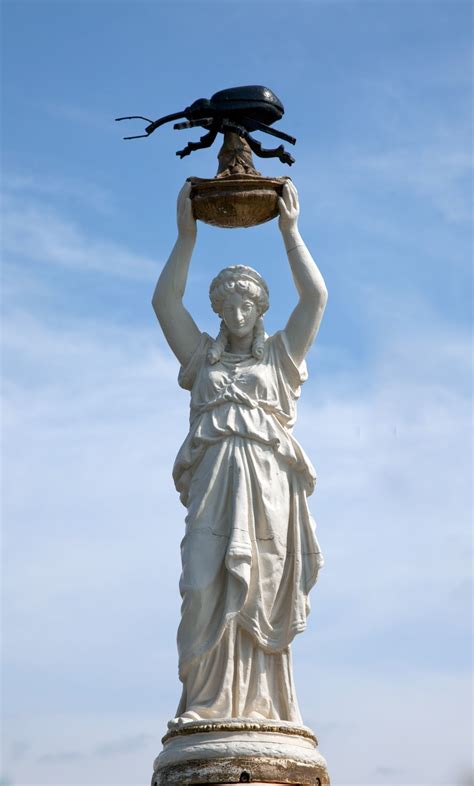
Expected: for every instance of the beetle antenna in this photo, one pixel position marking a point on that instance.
(134, 117)
(152, 124)
(138, 136)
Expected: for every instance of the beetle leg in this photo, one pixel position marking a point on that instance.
(205, 141)
(256, 147)
(258, 126)
(274, 152)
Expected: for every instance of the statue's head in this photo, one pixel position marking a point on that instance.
(240, 296)
(239, 279)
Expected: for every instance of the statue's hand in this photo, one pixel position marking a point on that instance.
(289, 208)
(184, 213)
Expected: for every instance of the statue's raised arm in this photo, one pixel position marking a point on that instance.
(304, 322)
(180, 329)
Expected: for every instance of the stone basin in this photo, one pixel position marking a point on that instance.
(236, 200)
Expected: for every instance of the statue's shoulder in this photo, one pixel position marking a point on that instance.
(279, 355)
(187, 374)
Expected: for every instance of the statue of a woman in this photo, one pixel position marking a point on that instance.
(249, 555)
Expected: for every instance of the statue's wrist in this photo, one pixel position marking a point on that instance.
(185, 245)
(291, 235)
(187, 235)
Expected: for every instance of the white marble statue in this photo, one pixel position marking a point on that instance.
(249, 555)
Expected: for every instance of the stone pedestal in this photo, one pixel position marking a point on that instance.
(239, 751)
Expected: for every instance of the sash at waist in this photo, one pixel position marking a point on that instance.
(240, 399)
(229, 419)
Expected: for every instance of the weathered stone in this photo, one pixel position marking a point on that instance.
(239, 752)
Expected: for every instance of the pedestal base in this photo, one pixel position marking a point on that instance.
(239, 751)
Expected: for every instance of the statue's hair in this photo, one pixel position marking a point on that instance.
(246, 281)
(242, 279)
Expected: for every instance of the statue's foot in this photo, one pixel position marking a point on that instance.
(181, 720)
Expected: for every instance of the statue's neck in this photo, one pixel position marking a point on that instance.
(241, 345)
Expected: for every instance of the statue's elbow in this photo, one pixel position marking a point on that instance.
(165, 305)
(319, 295)
(323, 296)
(158, 302)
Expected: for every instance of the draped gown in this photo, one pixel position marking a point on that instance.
(249, 554)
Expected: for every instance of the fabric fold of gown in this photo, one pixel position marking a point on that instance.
(249, 555)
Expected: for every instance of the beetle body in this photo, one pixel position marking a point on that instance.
(238, 109)
(253, 102)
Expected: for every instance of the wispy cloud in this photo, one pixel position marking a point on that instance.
(410, 156)
(396, 453)
(388, 771)
(41, 234)
(19, 749)
(63, 757)
(466, 778)
(441, 174)
(75, 115)
(123, 746)
(43, 185)
(105, 750)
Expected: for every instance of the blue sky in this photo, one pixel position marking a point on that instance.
(378, 95)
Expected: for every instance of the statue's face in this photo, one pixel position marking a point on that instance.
(239, 314)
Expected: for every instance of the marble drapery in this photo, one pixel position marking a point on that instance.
(249, 554)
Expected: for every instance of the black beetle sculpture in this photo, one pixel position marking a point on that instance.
(238, 109)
